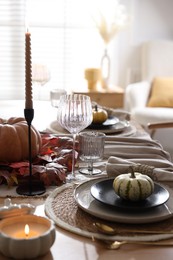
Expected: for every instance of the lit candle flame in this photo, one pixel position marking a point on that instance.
(27, 230)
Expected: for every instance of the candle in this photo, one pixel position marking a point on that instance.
(28, 73)
(27, 236)
(18, 229)
(26, 231)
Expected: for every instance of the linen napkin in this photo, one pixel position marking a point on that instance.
(145, 154)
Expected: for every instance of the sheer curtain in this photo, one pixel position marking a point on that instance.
(63, 37)
(12, 52)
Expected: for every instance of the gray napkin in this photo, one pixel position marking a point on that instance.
(144, 153)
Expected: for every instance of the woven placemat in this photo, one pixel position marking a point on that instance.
(62, 208)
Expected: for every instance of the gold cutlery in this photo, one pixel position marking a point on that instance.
(108, 230)
(117, 244)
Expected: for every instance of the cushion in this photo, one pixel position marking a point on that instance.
(161, 93)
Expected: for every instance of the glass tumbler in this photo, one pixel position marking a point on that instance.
(91, 149)
(55, 95)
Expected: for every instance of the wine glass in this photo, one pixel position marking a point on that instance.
(91, 149)
(40, 76)
(74, 114)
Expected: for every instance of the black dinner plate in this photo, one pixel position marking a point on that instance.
(103, 191)
(108, 123)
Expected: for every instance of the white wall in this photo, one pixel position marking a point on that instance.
(150, 20)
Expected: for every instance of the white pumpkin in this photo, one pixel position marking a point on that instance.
(133, 186)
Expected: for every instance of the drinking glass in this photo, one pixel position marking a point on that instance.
(55, 95)
(74, 114)
(40, 76)
(91, 149)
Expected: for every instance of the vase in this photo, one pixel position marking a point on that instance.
(105, 69)
(93, 76)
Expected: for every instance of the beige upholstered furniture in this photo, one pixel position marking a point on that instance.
(156, 68)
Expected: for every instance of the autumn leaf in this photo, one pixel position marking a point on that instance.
(51, 165)
(8, 177)
(19, 164)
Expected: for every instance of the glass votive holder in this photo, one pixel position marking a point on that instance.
(55, 95)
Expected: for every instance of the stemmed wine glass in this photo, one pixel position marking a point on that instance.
(74, 114)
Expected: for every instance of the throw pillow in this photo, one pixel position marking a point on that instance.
(161, 93)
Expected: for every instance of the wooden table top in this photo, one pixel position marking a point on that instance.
(75, 247)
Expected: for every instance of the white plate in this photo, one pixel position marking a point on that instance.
(86, 202)
(122, 128)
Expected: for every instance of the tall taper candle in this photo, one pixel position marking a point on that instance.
(28, 72)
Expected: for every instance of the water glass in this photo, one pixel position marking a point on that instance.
(55, 95)
(91, 149)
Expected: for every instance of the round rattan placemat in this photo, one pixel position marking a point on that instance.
(62, 208)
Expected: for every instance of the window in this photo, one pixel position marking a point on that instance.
(12, 17)
(63, 37)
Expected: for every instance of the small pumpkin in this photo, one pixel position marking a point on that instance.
(99, 115)
(133, 186)
(14, 140)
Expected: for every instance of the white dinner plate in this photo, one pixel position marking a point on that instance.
(86, 202)
(123, 128)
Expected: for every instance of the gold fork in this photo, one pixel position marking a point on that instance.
(117, 244)
(108, 230)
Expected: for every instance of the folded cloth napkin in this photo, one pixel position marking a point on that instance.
(146, 154)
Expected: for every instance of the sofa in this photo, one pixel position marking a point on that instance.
(151, 100)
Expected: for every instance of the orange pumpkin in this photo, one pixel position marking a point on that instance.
(14, 140)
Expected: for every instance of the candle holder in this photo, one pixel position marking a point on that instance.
(17, 242)
(30, 187)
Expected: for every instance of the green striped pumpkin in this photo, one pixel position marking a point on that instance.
(133, 186)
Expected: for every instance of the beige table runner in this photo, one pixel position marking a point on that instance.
(122, 152)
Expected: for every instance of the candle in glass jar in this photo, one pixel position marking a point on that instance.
(28, 72)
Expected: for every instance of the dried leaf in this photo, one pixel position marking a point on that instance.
(18, 164)
(50, 166)
(9, 178)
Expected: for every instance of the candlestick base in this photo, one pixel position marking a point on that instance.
(29, 115)
(37, 188)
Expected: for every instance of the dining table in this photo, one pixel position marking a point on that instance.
(72, 241)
